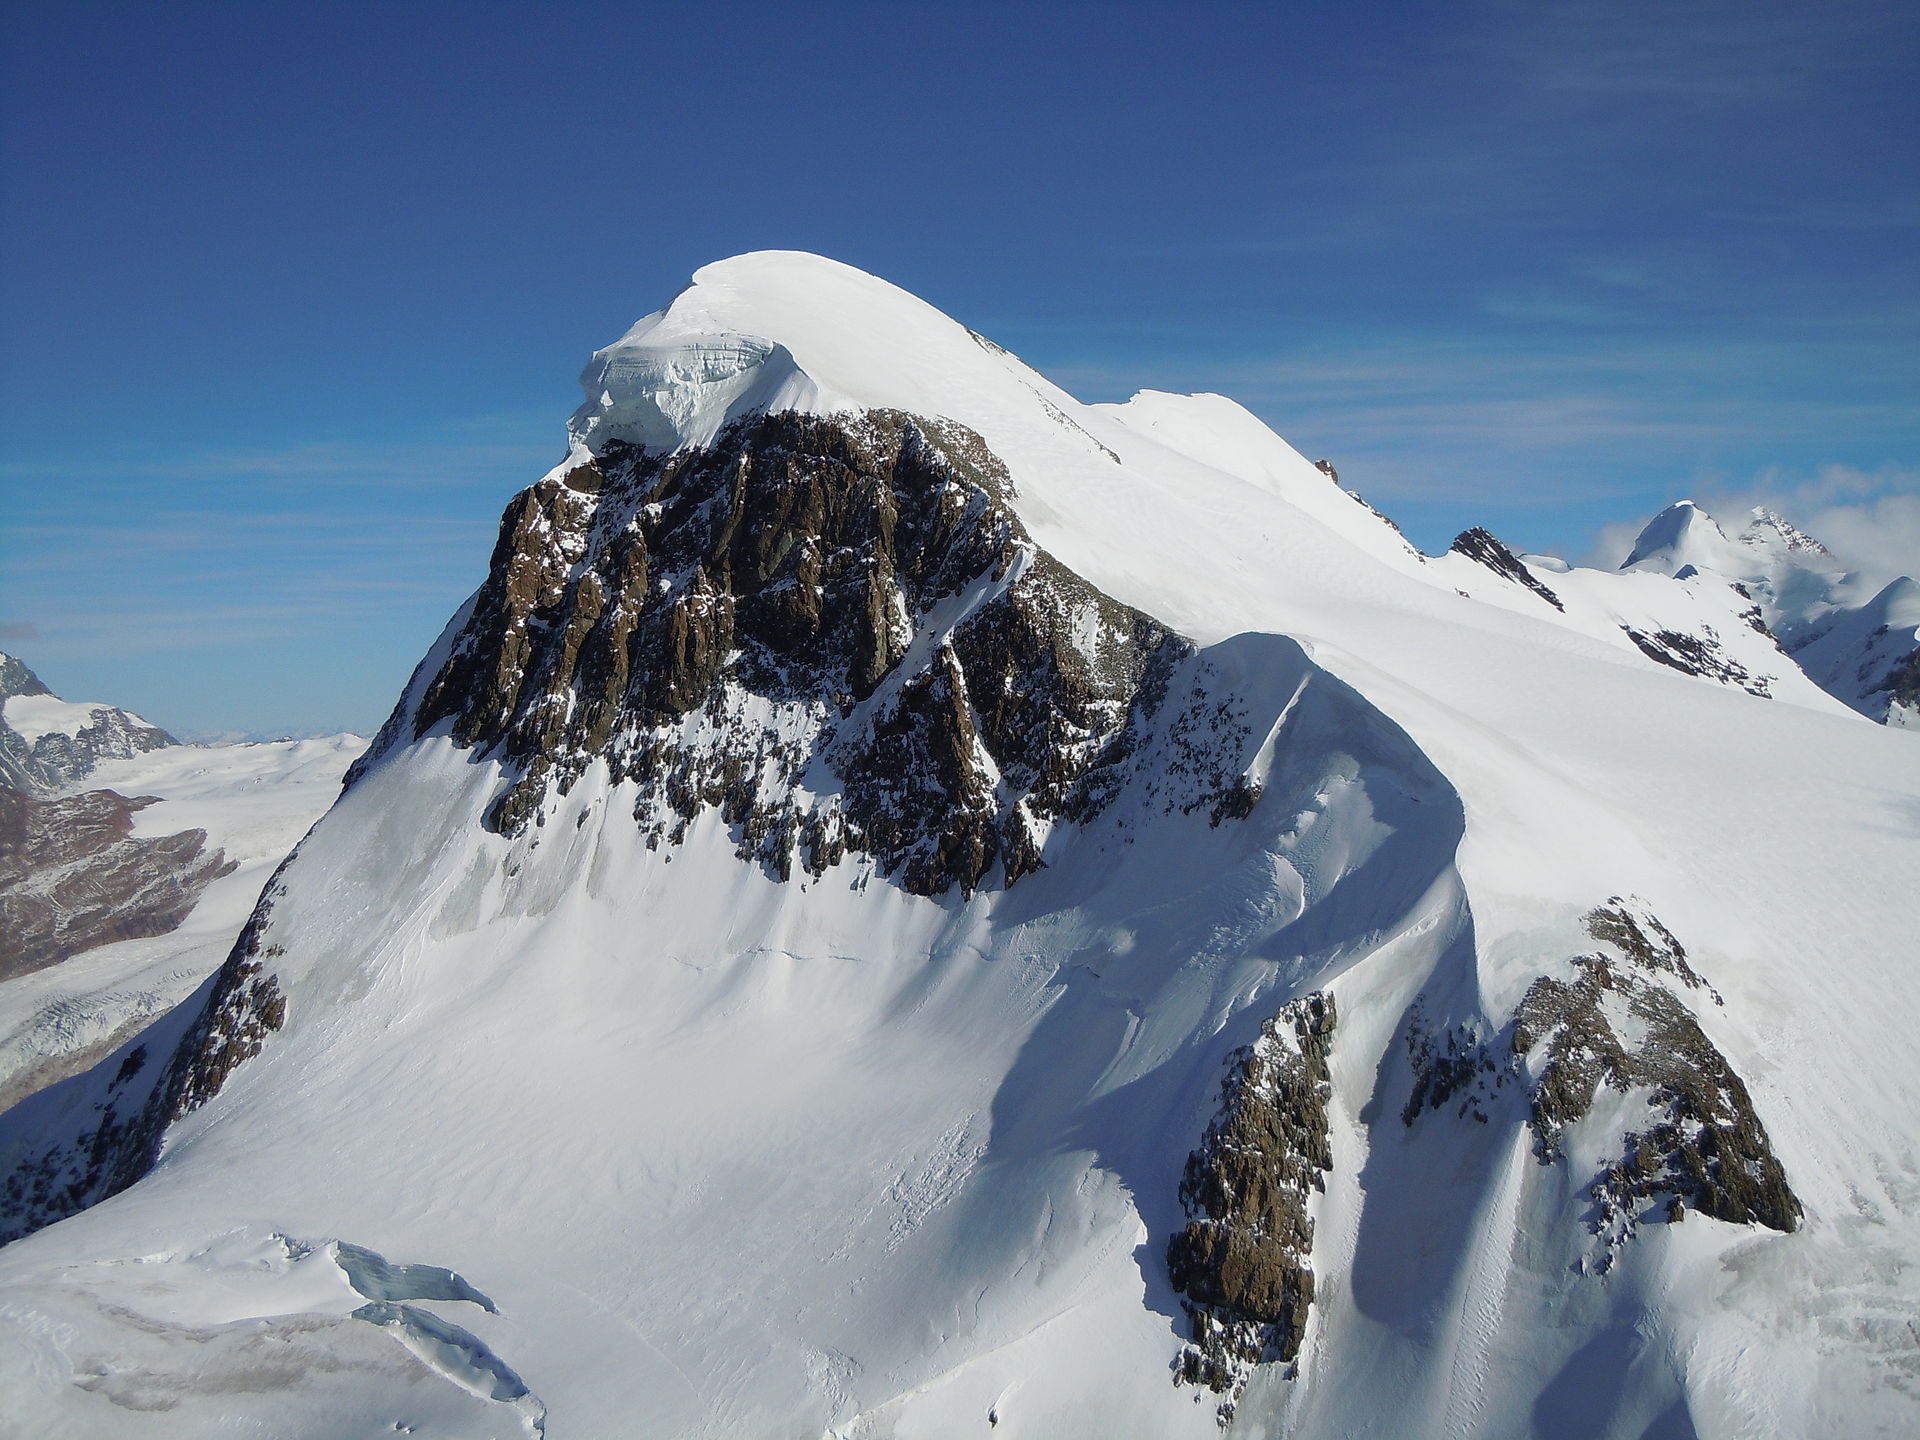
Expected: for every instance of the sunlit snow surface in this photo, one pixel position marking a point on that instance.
(254, 801)
(726, 1157)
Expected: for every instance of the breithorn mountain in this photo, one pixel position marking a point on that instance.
(909, 905)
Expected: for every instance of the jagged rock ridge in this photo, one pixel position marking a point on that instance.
(1482, 545)
(832, 630)
(40, 759)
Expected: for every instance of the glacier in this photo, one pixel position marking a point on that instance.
(648, 1109)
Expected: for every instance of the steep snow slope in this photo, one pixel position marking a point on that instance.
(1869, 655)
(849, 1154)
(253, 802)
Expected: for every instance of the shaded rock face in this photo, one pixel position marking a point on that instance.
(176, 1066)
(1452, 1066)
(1901, 683)
(1243, 1262)
(1699, 655)
(73, 876)
(851, 593)
(57, 759)
(17, 679)
(1480, 545)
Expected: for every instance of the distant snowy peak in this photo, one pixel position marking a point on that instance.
(1867, 656)
(1870, 656)
(47, 743)
(1684, 538)
(17, 679)
(1769, 530)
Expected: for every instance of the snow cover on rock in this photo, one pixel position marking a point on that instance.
(731, 1155)
(47, 743)
(1866, 655)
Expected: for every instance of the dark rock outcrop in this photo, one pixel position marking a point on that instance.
(73, 875)
(1619, 1021)
(1699, 655)
(1451, 1064)
(1243, 1262)
(1481, 546)
(1615, 1023)
(854, 592)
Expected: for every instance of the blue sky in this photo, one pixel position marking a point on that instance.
(292, 298)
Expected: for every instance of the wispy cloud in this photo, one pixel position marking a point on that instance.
(1714, 51)
(448, 454)
(1481, 419)
(1868, 518)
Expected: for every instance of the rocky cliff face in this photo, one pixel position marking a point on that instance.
(1244, 1260)
(1620, 1021)
(834, 632)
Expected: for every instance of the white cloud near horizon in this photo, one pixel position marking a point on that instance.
(1869, 519)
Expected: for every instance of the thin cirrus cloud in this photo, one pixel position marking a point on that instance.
(1868, 519)
(318, 560)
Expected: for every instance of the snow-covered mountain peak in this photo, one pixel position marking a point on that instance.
(47, 743)
(1065, 910)
(17, 679)
(1864, 655)
(1769, 530)
(1897, 606)
(781, 330)
(1683, 535)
